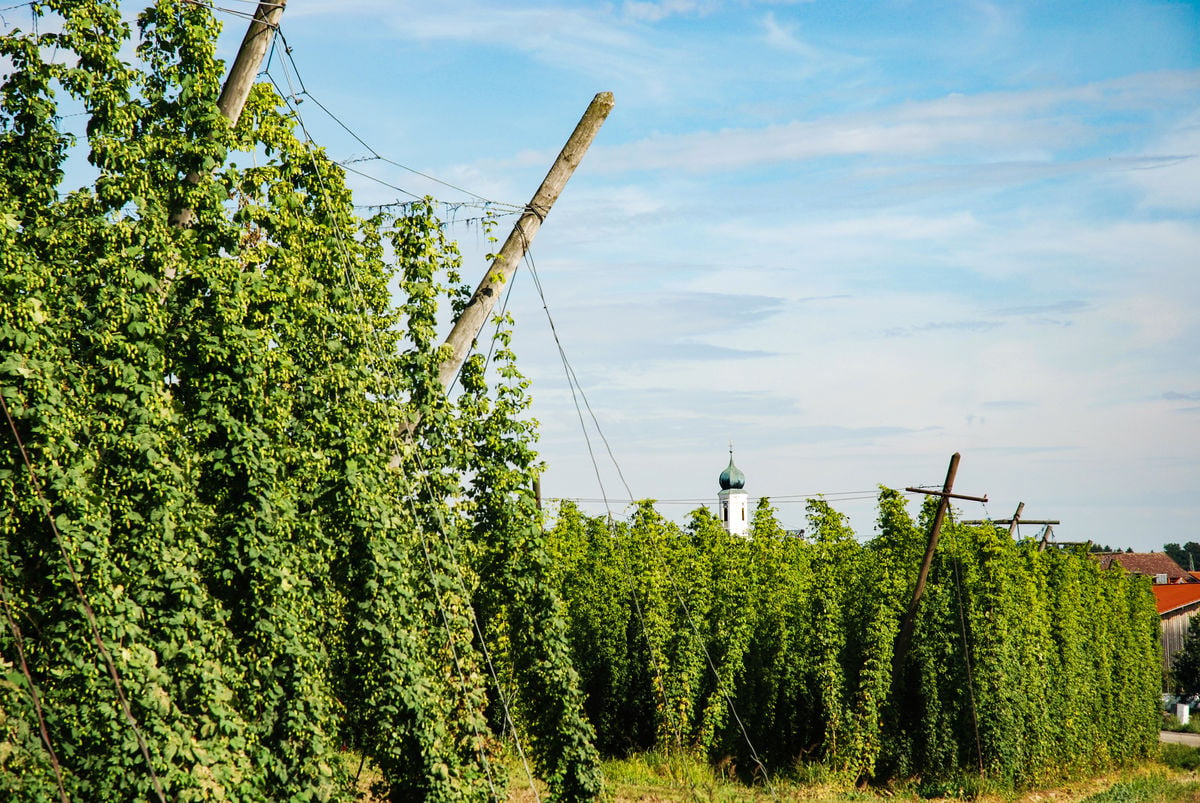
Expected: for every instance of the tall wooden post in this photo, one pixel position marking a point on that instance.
(1016, 519)
(249, 59)
(483, 301)
(476, 313)
(1046, 533)
(239, 81)
(906, 628)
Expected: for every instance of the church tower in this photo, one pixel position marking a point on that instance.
(732, 500)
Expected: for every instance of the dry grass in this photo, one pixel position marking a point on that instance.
(658, 780)
(655, 778)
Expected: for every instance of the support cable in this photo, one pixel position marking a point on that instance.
(719, 685)
(89, 613)
(479, 634)
(233, 12)
(962, 621)
(446, 531)
(573, 381)
(293, 96)
(356, 288)
(574, 385)
(19, 641)
(789, 499)
(375, 155)
(458, 668)
(14, 8)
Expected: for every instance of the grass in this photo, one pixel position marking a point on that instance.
(1180, 757)
(661, 777)
(665, 778)
(657, 778)
(1150, 788)
(1171, 723)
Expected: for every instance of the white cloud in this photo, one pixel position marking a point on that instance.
(732, 149)
(658, 10)
(984, 127)
(1173, 186)
(577, 38)
(784, 37)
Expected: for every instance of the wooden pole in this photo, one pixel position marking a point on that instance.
(239, 81)
(1016, 519)
(906, 628)
(483, 301)
(476, 313)
(910, 617)
(1045, 537)
(249, 59)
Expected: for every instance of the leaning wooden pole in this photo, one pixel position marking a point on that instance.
(910, 618)
(248, 62)
(1016, 519)
(480, 307)
(906, 629)
(242, 73)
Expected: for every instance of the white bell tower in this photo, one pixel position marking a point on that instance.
(732, 500)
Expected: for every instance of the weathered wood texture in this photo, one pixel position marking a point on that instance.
(480, 307)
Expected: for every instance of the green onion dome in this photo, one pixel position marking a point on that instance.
(732, 477)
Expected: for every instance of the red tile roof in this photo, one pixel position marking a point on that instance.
(1149, 563)
(1173, 596)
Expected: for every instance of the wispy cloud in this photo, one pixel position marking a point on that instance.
(942, 326)
(658, 10)
(1024, 450)
(1177, 189)
(885, 133)
(579, 38)
(1059, 307)
(781, 36)
(1009, 404)
(694, 352)
(981, 127)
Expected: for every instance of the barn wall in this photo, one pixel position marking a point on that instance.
(1174, 631)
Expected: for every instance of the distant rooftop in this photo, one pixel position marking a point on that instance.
(1173, 597)
(1148, 563)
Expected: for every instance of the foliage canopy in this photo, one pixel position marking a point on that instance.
(1026, 666)
(207, 539)
(213, 580)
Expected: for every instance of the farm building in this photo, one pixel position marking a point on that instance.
(1159, 566)
(1176, 593)
(1176, 605)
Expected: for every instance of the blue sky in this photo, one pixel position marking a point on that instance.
(852, 238)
